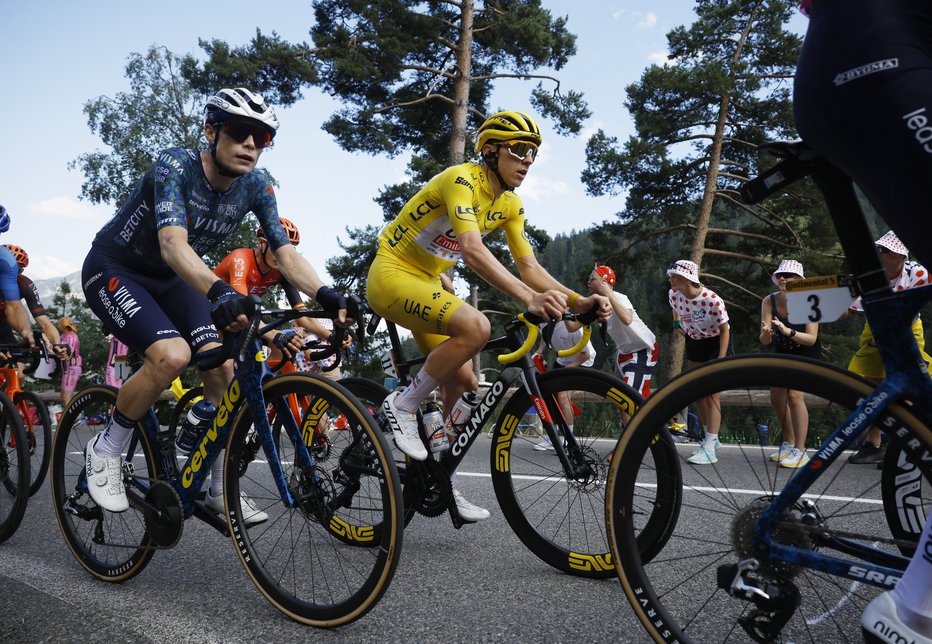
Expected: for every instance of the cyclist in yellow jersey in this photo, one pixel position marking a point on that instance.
(443, 223)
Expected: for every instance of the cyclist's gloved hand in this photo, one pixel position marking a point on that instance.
(226, 304)
(329, 299)
(283, 341)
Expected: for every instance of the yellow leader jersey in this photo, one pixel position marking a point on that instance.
(457, 200)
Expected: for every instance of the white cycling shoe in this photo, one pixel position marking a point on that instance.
(404, 429)
(105, 479)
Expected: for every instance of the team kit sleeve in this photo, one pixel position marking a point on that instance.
(234, 270)
(515, 234)
(29, 292)
(458, 194)
(168, 190)
(265, 207)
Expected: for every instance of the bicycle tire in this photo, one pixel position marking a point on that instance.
(675, 596)
(38, 434)
(111, 546)
(300, 559)
(14, 469)
(180, 409)
(560, 518)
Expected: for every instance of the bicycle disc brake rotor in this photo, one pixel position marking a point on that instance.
(789, 530)
(313, 497)
(166, 523)
(428, 488)
(591, 470)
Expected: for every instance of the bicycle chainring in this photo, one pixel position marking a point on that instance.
(428, 489)
(166, 524)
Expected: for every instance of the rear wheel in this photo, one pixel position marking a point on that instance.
(850, 513)
(112, 546)
(306, 558)
(14, 469)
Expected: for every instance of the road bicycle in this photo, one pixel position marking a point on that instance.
(759, 552)
(32, 410)
(552, 500)
(304, 559)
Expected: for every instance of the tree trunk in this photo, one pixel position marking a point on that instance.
(463, 74)
(675, 363)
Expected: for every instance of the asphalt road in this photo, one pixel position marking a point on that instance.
(475, 584)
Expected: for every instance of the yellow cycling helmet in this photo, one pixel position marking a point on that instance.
(508, 126)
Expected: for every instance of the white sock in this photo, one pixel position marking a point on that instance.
(417, 392)
(115, 437)
(913, 591)
(709, 441)
(216, 476)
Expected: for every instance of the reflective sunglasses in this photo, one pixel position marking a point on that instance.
(239, 132)
(520, 150)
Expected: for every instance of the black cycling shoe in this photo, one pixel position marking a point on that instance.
(868, 454)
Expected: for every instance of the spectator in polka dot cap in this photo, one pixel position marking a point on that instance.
(700, 315)
(903, 274)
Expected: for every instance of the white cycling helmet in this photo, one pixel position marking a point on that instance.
(239, 103)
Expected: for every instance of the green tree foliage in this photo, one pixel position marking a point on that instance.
(699, 120)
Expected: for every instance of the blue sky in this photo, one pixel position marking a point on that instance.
(56, 55)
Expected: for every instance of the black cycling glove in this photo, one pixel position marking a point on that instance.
(226, 304)
(282, 340)
(329, 299)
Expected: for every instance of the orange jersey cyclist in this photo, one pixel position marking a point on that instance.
(254, 271)
(444, 222)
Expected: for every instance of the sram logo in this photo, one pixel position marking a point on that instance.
(858, 572)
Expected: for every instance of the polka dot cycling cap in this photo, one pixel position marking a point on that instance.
(892, 243)
(788, 266)
(685, 268)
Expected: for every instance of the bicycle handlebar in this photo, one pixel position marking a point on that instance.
(17, 351)
(237, 343)
(533, 322)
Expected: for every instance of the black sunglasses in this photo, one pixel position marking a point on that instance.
(240, 131)
(788, 276)
(883, 250)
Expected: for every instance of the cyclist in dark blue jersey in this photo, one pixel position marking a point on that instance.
(862, 99)
(145, 279)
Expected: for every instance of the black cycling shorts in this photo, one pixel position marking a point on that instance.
(863, 99)
(143, 309)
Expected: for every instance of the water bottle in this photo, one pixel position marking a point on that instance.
(460, 414)
(193, 425)
(764, 433)
(434, 430)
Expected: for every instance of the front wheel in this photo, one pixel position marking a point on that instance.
(692, 590)
(558, 513)
(14, 469)
(112, 546)
(306, 558)
(35, 416)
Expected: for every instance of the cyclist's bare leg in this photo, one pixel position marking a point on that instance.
(163, 362)
(469, 330)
